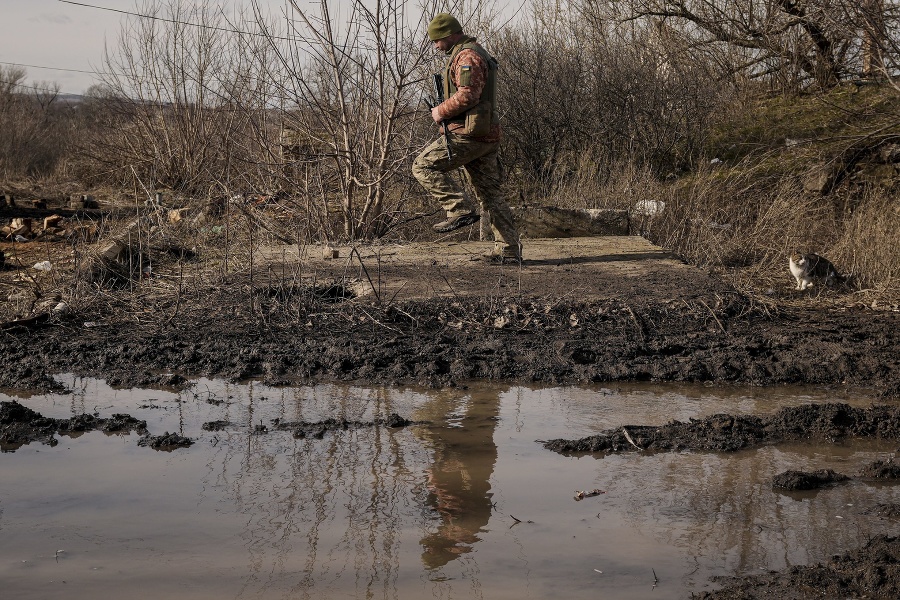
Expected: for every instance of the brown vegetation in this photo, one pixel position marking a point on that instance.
(755, 130)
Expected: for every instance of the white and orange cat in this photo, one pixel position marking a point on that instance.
(807, 267)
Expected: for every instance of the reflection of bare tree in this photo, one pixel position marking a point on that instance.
(318, 516)
(462, 441)
(722, 510)
(341, 515)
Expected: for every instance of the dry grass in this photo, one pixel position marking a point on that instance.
(735, 223)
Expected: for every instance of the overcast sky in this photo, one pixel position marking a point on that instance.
(49, 33)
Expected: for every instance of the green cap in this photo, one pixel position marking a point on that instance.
(443, 25)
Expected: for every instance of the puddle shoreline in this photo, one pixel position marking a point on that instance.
(463, 499)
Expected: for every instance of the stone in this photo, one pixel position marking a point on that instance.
(553, 222)
(112, 250)
(819, 180)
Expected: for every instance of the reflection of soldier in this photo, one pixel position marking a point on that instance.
(470, 113)
(459, 478)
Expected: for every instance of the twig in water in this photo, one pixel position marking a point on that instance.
(517, 521)
(655, 578)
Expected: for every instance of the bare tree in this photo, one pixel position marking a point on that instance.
(175, 84)
(874, 37)
(587, 93)
(351, 84)
(35, 132)
(805, 35)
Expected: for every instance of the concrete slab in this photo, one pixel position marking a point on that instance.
(587, 268)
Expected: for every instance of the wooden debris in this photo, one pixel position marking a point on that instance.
(52, 221)
(21, 225)
(18, 228)
(176, 215)
(581, 494)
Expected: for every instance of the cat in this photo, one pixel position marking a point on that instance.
(806, 267)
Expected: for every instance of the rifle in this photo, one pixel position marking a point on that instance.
(439, 95)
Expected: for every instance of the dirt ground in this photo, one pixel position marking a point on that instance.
(578, 310)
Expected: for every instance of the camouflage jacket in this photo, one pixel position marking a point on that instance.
(468, 71)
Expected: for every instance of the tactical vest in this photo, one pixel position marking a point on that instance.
(488, 101)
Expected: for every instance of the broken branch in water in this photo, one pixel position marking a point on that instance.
(581, 495)
(517, 521)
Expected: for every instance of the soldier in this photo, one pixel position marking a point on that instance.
(471, 116)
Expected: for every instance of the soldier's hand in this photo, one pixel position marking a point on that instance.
(436, 114)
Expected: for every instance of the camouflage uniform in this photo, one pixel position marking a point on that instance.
(469, 71)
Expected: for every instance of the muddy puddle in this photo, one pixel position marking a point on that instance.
(464, 504)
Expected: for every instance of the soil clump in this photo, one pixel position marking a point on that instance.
(872, 571)
(794, 481)
(20, 425)
(317, 429)
(829, 422)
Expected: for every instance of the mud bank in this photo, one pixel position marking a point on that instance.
(443, 342)
(729, 433)
(872, 571)
(20, 425)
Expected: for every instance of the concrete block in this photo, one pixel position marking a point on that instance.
(553, 222)
(112, 251)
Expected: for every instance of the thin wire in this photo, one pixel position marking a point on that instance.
(31, 87)
(54, 68)
(155, 18)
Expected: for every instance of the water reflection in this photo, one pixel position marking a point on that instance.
(423, 511)
(463, 457)
(320, 515)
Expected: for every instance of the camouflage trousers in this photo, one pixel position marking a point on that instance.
(480, 162)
